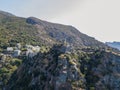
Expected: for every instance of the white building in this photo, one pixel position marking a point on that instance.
(9, 49)
(16, 53)
(18, 45)
(30, 53)
(32, 50)
(2, 57)
(29, 47)
(36, 48)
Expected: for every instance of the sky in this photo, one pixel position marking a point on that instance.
(96, 18)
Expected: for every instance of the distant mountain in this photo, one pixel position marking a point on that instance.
(114, 44)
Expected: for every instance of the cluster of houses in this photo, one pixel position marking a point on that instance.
(27, 50)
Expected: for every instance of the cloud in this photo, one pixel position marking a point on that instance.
(47, 8)
(97, 18)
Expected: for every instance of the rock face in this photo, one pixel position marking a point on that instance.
(77, 70)
(110, 72)
(102, 71)
(50, 71)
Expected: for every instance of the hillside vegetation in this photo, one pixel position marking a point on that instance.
(39, 55)
(61, 70)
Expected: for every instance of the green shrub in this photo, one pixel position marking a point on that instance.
(4, 70)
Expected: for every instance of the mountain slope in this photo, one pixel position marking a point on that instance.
(38, 32)
(6, 14)
(68, 59)
(64, 33)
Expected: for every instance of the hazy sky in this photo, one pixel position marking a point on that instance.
(97, 18)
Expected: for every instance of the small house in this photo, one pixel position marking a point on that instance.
(36, 48)
(29, 47)
(18, 45)
(16, 53)
(2, 57)
(30, 53)
(9, 49)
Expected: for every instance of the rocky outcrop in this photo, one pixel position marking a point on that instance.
(60, 70)
(101, 71)
(49, 71)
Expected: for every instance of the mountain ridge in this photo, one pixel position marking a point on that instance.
(63, 31)
(114, 44)
(47, 32)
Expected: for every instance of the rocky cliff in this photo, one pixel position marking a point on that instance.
(59, 69)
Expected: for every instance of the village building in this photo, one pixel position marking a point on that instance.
(18, 45)
(36, 48)
(16, 53)
(2, 57)
(9, 49)
(30, 53)
(29, 47)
